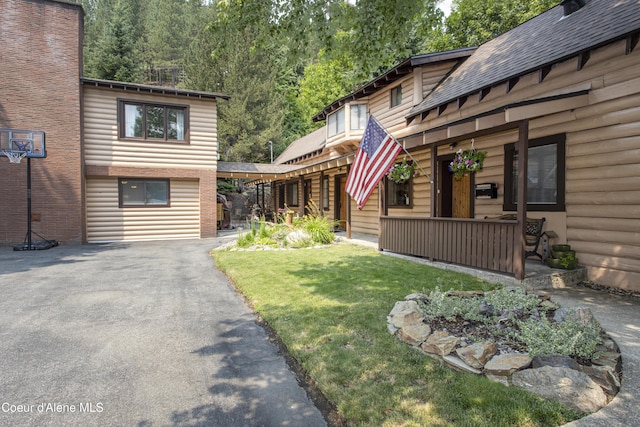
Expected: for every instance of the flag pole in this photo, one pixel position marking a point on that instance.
(405, 150)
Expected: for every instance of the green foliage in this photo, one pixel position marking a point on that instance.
(114, 55)
(569, 338)
(473, 22)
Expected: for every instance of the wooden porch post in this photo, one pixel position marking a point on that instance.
(321, 195)
(383, 209)
(434, 181)
(301, 195)
(523, 155)
(348, 222)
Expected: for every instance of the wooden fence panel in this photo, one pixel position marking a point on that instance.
(485, 244)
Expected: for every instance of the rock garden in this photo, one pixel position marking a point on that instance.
(519, 339)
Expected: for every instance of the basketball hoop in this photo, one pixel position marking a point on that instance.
(15, 156)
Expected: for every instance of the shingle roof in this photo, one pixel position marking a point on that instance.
(392, 75)
(253, 168)
(544, 40)
(135, 87)
(308, 144)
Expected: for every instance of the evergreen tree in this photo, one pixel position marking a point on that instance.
(114, 55)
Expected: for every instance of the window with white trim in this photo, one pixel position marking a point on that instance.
(358, 116)
(335, 123)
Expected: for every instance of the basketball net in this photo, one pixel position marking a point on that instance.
(15, 156)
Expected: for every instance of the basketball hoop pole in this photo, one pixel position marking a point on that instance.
(28, 244)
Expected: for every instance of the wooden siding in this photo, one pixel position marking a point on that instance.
(106, 222)
(602, 149)
(104, 148)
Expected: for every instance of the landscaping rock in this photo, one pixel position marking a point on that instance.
(476, 355)
(414, 331)
(605, 377)
(485, 309)
(582, 315)
(417, 297)
(507, 364)
(440, 343)
(298, 236)
(555, 360)
(460, 365)
(399, 311)
(573, 388)
(611, 359)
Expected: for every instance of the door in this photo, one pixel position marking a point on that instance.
(341, 201)
(455, 195)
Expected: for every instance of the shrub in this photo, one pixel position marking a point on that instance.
(540, 336)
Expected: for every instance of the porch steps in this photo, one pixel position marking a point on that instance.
(549, 278)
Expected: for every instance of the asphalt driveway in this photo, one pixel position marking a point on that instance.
(140, 334)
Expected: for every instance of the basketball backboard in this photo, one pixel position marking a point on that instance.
(29, 142)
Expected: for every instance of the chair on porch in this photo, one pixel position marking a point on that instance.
(533, 234)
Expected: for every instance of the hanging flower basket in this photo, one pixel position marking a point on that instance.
(467, 161)
(402, 172)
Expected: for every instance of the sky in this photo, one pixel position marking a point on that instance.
(445, 6)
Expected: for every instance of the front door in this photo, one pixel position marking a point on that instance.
(455, 195)
(341, 201)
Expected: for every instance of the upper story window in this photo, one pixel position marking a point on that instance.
(335, 123)
(396, 96)
(148, 121)
(545, 175)
(133, 192)
(358, 116)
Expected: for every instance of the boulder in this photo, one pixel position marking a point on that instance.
(572, 388)
(477, 354)
(417, 297)
(556, 360)
(581, 315)
(440, 343)
(460, 365)
(414, 331)
(398, 313)
(507, 364)
(605, 377)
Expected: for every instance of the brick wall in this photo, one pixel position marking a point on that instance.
(40, 67)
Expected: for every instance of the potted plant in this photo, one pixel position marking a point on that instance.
(467, 161)
(562, 257)
(402, 172)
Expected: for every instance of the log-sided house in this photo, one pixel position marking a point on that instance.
(555, 103)
(123, 161)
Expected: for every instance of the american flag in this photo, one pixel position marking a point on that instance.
(377, 152)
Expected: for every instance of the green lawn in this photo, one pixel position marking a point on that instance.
(329, 307)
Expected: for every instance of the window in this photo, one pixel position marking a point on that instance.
(152, 121)
(134, 192)
(325, 193)
(335, 123)
(546, 175)
(396, 96)
(358, 116)
(292, 194)
(399, 195)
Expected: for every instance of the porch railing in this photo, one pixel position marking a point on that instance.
(486, 244)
